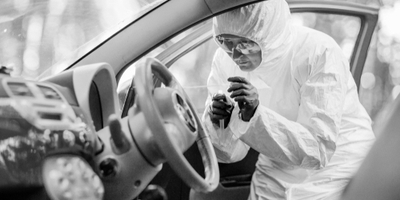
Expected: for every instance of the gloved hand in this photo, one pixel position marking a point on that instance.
(220, 109)
(245, 94)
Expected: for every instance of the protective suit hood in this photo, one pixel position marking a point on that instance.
(267, 23)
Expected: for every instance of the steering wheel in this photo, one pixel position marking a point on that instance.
(175, 125)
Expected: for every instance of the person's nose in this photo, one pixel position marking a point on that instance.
(235, 53)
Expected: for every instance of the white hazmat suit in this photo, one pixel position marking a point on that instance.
(310, 128)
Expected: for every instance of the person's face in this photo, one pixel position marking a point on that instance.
(244, 52)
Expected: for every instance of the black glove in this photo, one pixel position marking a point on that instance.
(245, 94)
(220, 109)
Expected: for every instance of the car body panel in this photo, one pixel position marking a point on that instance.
(379, 177)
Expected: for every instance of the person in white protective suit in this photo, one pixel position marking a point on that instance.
(288, 93)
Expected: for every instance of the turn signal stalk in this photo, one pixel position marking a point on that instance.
(119, 142)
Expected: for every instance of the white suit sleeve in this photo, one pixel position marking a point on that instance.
(228, 148)
(310, 141)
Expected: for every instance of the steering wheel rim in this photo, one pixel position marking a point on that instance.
(144, 86)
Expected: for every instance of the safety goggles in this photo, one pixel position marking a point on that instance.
(240, 44)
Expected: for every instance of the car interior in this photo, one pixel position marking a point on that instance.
(146, 101)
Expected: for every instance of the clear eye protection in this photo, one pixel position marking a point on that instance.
(240, 44)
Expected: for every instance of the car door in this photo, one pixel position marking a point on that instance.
(189, 59)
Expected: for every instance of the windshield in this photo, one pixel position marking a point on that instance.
(49, 35)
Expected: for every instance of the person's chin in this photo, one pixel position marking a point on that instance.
(246, 66)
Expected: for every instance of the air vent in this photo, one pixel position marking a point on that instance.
(49, 93)
(50, 116)
(19, 89)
